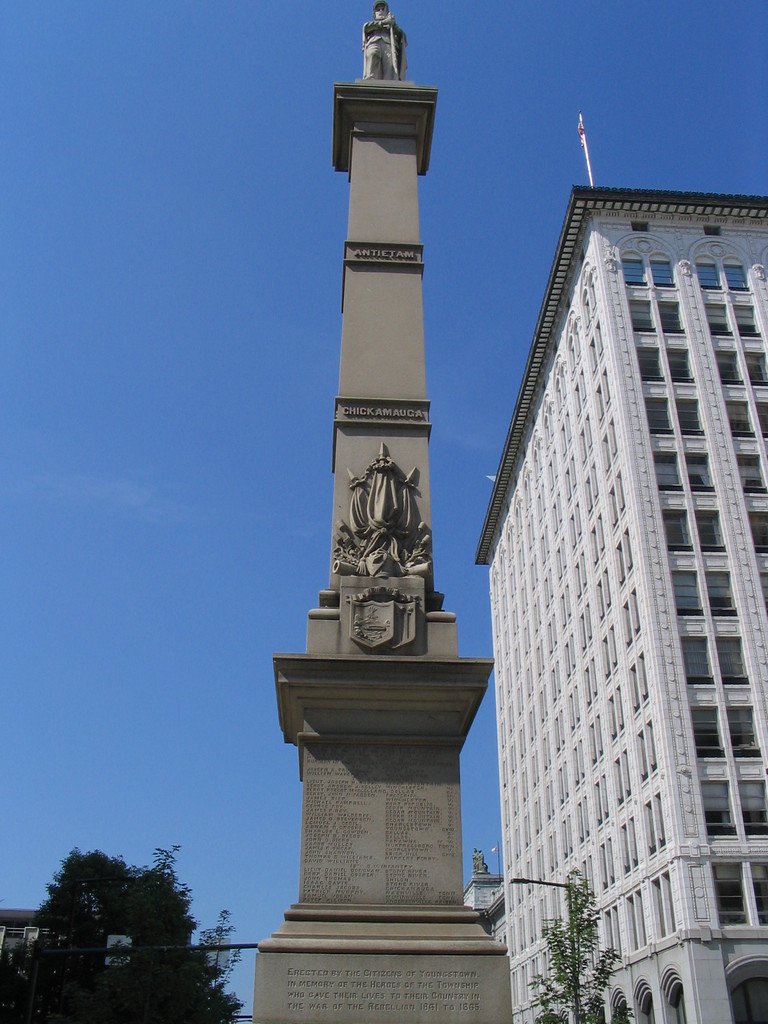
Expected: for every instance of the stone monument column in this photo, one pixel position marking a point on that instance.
(380, 703)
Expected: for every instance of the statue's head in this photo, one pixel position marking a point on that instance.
(380, 9)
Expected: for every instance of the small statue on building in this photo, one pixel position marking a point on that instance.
(384, 45)
(479, 867)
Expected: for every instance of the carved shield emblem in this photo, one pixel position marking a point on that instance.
(381, 620)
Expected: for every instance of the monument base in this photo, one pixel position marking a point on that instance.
(325, 988)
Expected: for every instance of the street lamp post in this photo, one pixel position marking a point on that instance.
(573, 934)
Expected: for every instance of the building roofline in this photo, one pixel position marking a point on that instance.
(585, 202)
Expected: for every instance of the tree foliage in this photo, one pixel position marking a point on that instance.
(579, 972)
(93, 896)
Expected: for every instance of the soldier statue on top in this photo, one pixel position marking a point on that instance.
(384, 45)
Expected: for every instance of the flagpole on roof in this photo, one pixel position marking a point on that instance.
(585, 147)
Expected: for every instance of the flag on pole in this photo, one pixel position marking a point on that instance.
(583, 140)
(495, 849)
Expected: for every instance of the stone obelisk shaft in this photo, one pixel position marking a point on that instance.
(380, 703)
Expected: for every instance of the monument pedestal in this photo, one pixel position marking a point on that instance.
(381, 933)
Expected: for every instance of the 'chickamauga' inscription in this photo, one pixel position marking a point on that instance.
(380, 825)
(361, 409)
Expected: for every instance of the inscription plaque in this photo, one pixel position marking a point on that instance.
(381, 824)
(419, 988)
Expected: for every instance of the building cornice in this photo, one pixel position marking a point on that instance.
(586, 203)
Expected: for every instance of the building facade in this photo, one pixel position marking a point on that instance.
(484, 892)
(17, 928)
(627, 539)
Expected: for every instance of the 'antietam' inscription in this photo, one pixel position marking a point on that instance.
(381, 825)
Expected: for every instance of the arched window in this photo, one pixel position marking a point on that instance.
(750, 1001)
(672, 988)
(644, 999)
(619, 1008)
(735, 277)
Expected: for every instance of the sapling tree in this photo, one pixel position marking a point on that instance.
(573, 990)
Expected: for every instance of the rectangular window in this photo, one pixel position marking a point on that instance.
(745, 321)
(633, 270)
(710, 534)
(759, 523)
(661, 272)
(751, 476)
(639, 683)
(717, 318)
(760, 886)
(676, 526)
(738, 418)
(753, 810)
(735, 277)
(660, 831)
(731, 660)
(742, 731)
(640, 313)
(666, 471)
(696, 660)
(636, 920)
(669, 314)
(717, 809)
(719, 591)
(650, 828)
(756, 367)
(686, 593)
(688, 416)
(730, 894)
(705, 732)
(762, 416)
(728, 367)
(658, 415)
(707, 274)
(665, 916)
(679, 368)
(698, 471)
(648, 360)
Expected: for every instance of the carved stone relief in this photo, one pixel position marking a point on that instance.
(385, 535)
(383, 617)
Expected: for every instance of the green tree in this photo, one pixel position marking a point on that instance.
(93, 896)
(14, 972)
(579, 972)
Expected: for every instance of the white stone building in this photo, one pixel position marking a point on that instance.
(627, 538)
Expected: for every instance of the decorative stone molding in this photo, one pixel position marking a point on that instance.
(611, 259)
(685, 268)
(759, 271)
(385, 535)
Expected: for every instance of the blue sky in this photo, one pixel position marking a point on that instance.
(170, 275)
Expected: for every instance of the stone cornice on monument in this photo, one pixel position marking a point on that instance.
(584, 204)
(435, 699)
(356, 103)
